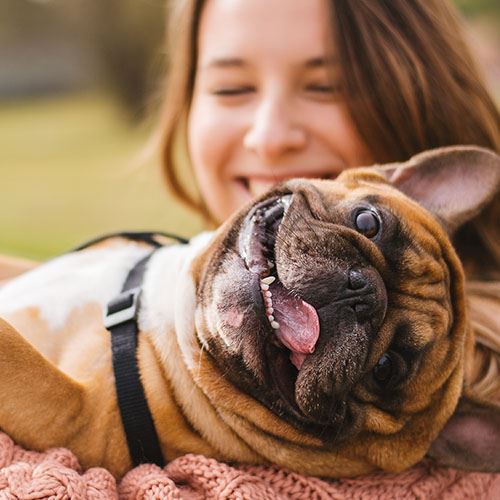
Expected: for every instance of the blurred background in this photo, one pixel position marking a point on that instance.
(79, 85)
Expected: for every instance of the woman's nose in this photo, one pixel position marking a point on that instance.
(273, 132)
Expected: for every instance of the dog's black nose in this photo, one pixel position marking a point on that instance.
(356, 280)
(363, 301)
(356, 296)
(364, 306)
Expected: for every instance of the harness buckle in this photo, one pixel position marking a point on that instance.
(122, 308)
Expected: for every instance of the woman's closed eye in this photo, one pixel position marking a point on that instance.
(324, 91)
(231, 91)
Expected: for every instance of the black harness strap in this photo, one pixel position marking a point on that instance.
(121, 321)
(151, 237)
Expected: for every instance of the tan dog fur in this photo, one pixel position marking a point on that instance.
(56, 378)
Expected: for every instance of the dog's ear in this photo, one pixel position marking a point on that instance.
(453, 183)
(471, 438)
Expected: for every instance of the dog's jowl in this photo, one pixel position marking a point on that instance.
(323, 328)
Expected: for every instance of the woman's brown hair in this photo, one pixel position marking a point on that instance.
(410, 84)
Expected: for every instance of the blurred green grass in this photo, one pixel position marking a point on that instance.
(69, 171)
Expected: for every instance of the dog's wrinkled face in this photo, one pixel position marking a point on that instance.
(338, 305)
(341, 329)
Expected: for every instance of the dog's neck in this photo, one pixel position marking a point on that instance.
(168, 350)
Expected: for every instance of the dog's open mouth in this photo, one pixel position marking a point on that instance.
(294, 322)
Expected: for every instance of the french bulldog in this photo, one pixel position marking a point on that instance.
(323, 329)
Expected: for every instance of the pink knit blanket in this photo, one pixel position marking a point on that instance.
(56, 475)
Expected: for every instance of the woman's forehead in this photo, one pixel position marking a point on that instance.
(235, 32)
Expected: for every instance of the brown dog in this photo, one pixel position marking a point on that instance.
(323, 329)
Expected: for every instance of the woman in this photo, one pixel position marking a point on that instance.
(263, 90)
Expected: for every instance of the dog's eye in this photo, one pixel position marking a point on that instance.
(383, 370)
(367, 223)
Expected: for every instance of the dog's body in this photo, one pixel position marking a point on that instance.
(65, 323)
(359, 368)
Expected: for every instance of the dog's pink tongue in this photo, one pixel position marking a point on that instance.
(299, 323)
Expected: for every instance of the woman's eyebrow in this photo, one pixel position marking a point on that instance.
(316, 62)
(224, 62)
(236, 62)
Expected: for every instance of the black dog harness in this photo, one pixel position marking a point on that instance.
(121, 320)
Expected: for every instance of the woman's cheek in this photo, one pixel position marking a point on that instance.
(210, 144)
(209, 128)
(335, 127)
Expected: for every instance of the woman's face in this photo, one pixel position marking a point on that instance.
(266, 104)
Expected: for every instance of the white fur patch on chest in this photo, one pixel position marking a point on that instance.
(65, 283)
(169, 296)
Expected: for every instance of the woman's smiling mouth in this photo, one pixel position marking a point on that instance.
(257, 185)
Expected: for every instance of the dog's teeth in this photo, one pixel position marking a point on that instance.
(267, 293)
(264, 286)
(270, 317)
(268, 302)
(268, 280)
(269, 310)
(275, 324)
(258, 216)
(270, 263)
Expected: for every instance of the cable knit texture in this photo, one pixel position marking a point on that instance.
(56, 475)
